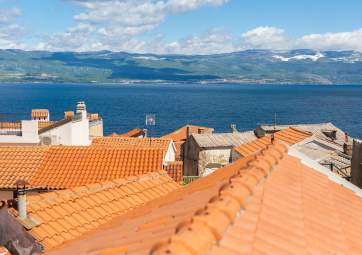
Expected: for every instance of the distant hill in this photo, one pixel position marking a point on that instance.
(252, 66)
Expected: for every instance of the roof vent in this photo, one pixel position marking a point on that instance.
(201, 130)
(332, 134)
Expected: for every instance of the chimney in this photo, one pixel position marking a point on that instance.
(21, 196)
(145, 131)
(188, 131)
(82, 110)
(233, 128)
(68, 115)
(356, 164)
(347, 148)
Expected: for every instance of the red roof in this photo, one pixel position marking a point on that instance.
(289, 135)
(175, 171)
(268, 204)
(60, 167)
(68, 214)
(39, 113)
(181, 133)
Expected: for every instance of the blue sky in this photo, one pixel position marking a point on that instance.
(173, 26)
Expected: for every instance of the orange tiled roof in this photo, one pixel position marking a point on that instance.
(268, 204)
(10, 125)
(19, 163)
(68, 115)
(136, 132)
(60, 167)
(65, 167)
(68, 214)
(181, 133)
(175, 171)
(138, 231)
(17, 125)
(40, 113)
(130, 142)
(289, 135)
(178, 147)
(93, 116)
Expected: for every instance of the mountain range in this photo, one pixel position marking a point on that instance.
(302, 66)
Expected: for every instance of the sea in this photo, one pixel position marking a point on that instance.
(171, 106)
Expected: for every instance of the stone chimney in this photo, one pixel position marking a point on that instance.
(356, 164)
(233, 128)
(188, 131)
(82, 110)
(347, 147)
(21, 197)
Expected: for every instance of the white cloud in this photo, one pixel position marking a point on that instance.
(333, 41)
(266, 38)
(10, 32)
(128, 25)
(215, 40)
(117, 24)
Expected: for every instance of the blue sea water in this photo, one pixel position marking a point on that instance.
(124, 107)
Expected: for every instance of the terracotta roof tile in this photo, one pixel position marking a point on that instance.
(61, 167)
(63, 220)
(136, 132)
(130, 142)
(289, 135)
(175, 171)
(19, 163)
(181, 133)
(269, 203)
(39, 113)
(179, 152)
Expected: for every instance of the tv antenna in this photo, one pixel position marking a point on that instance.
(150, 119)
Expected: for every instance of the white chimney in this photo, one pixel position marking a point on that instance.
(21, 192)
(22, 205)
(81, 109)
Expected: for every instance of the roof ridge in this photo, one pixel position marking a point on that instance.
(52, 198)
(224, 207)
(299, 130)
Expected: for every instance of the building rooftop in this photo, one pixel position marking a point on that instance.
(68, 214)
(39, 113)
(17, 125)
(318, 130)
(130, 142)
(19, 163)
(181, 133)
(223, 139)
(75, 166)
(175, 171)
(136, 132)
(289, 135)
(60, 167)
(269, 203)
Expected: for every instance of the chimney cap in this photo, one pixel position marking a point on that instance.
(21, 183)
